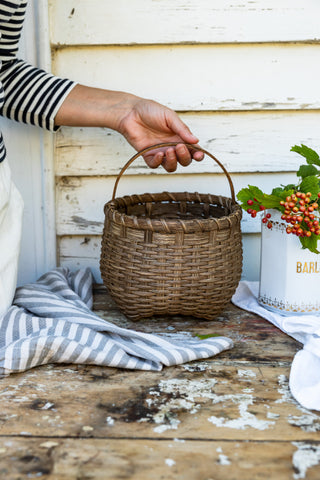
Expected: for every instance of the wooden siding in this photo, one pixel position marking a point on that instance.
(100, 22)
(243, 75)
(243, 141)
(202, 77)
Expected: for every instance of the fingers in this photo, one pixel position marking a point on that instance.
(170, 160)
(183, 155)
(154, 160)
(171, 156)
(198, 156)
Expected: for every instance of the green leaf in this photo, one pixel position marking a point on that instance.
(244, 195)
(310, 155)
(310, 184)
(291, 187)
(283, 192)
(209, 335)
(257, 193)
(307, 171)
(249, 193)
(310, 243)
(277, 191)
(271, 201)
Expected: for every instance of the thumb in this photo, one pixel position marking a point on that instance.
(180, 128)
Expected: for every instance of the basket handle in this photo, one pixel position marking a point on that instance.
(172, 144)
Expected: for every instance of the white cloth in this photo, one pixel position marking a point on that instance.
(11, 209)
(304, 381)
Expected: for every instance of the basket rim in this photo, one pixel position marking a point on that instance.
(230, 221)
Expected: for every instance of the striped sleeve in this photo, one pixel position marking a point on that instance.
(32, 95)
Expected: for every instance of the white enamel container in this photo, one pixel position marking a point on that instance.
(289, 274)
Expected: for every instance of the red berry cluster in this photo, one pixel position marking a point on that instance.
(253, 212)
(299, 212)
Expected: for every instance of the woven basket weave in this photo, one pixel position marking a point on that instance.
(171, 253)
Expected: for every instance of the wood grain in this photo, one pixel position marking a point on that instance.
(148, 459)
(226, 77)
(196, 21)
(243, 141)
(231, 416)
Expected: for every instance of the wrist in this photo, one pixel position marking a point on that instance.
(119, 105)
(95, 107)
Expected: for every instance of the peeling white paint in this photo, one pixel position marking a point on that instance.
(308, 421)
(170, 462)
(184, 395)
(245, 420)
(196, 367)
(47, 406)
(173, 425)
(110, 421)
(49, 444)
(87, 428)
(223, 460)
(284, 391)
(274, 416)
(305, 457)
(246, 374)
(248, 390)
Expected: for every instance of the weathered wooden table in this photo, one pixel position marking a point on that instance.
(229, 417)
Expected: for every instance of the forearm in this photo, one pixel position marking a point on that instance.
(31, 95)
(141, 121)
(94, 107)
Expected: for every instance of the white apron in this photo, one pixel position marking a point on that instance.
(11, 209)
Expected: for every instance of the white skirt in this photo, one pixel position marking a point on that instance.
(11, 209)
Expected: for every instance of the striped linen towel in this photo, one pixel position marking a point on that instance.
(51, 322)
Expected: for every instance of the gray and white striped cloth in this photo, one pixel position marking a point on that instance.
(51, 321)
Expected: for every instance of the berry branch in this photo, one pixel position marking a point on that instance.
(298, 203)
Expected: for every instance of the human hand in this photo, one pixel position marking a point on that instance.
(148, 123)
(142, 122)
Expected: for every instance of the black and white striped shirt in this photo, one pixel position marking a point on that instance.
(27, 94)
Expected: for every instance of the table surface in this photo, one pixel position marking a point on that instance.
(228, 417)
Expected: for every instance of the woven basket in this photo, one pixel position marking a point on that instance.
(171, 253)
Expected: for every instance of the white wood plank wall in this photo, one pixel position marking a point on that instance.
(243, 75)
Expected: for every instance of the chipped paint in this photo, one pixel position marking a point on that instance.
(284, 391)
(273, 416)
(308, 421)
(245, 420)
(246, 374)
(110, 421)
(182, 395)
(170, 462)
(49, 444)
(305, 457)
(87, 428)
(223, 460)
(196, 366)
